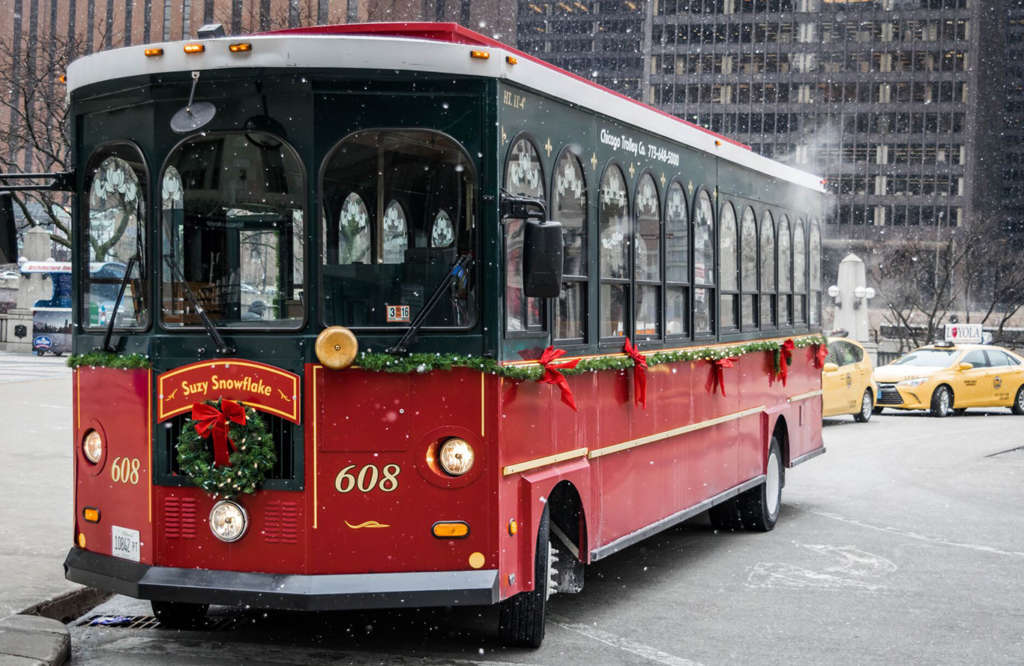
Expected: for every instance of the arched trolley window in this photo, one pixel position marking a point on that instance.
(703, 266)
(524, 175)
(767, 271)
(613, 227)
(233, 207)
(815, 273)
(728, 268)
(677, 265)
(397, 214)
(748, 270)
(647, 259)
(114, 237)
(569, 206)
(785, 273)
(799, 273)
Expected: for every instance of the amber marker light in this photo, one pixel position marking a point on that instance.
(193, 48)
(91, 515)
(81, 540)
(62, 78)
(512, 60)
(450, 529)
(513, 527)
(154, 53)
(240, 47)
(480, 55)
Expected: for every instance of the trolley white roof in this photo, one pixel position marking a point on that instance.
(423, 49)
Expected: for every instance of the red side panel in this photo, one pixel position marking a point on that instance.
(117, 404)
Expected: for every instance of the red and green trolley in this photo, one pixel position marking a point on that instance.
(410, 318)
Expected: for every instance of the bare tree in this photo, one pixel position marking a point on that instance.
(994, 279)
(36, 108)
(918, 279)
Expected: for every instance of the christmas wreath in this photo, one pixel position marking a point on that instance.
(225, 448)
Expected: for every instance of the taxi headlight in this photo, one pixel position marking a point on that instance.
(916, 381)
(92, 446)
(456, 456)
(228, 521)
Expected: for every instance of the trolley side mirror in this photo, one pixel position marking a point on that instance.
(8, 232)
(542, 258)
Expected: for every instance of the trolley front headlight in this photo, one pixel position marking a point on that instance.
(92, 446)
(456, 456)
(228, 521)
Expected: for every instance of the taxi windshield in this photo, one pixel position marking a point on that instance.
(931, 358)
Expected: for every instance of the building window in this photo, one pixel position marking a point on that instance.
(647, 267)
(613, 225)
(569, 206)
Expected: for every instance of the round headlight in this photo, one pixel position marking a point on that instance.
(92, 446)
(456, 456)
(228, 521)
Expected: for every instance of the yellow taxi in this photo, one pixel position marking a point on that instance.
(846, 381)
(948, 377)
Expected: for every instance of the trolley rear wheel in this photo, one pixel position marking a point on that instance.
(756, 509)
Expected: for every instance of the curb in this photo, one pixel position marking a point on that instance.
(29, 640)
(37, 636)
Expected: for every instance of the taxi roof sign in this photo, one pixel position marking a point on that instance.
(966, 333)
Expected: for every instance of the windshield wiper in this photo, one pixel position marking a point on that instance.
(117, 304)
(457, 270)
(221, 346)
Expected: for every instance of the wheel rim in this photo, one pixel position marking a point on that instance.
(772, 484)
(944, 401)
(866, 405)
(1020, 399)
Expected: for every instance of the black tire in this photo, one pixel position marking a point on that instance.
(942, 402)
(877, 410)
(867, 407)
(521, 618)
(1018, 402)
(755, 509)
(176, 615)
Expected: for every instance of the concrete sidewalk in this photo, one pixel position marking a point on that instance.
(35, 504)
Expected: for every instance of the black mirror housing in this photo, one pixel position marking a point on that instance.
(542, 258)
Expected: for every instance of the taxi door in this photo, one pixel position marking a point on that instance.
(860, 373)
(1003, 378)
(972, 387)
(836, 384)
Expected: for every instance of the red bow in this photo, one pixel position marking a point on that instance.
(639, 373)
(785, 356)
(820, 355)
(716, 379)
(209, 420)
(553, 376)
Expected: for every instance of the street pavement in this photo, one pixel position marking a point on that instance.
(903, 544)
(35, 479)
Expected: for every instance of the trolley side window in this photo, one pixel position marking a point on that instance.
(728, 280)
(397, 215)
(785, 274)
(647, 258)
(703, 266)
(799, 273)
(523, 176)
(233, 232)
(767, 271)
(815, 271)
(114, 232)
(677, 266)
(748, 270)
(569, 203)
(613, 223)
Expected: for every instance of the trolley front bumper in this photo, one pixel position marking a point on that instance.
(283, 591)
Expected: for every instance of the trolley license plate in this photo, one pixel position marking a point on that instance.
(124, 543)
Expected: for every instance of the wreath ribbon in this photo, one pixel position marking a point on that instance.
(553, 376)
(212, 421)
(820, 355)
(716, 378)
(785, 357)
(639, 373)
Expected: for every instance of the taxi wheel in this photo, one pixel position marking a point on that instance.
(867, 407)
(942, 401)
(1018, 402)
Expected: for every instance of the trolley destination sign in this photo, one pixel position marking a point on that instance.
(259, 385)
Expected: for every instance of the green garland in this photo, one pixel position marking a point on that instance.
(102, 359)
(249, 464)
(422, 363)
